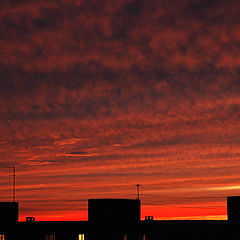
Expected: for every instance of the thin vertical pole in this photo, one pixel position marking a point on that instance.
(14, 184)
(138, 192)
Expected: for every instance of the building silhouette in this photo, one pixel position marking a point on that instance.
(113, 210)
(9, 212)
(118, 219)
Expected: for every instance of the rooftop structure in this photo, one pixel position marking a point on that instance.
(233, 208)
(114, 210)
(8, 212)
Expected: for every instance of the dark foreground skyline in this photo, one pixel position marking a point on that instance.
(117, 219)
(99, 95)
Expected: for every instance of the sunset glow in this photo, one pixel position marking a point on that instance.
(98, 96)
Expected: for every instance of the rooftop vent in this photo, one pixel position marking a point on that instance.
(30, 219)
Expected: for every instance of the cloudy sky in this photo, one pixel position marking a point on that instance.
(99, 95)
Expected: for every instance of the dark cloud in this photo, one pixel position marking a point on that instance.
(77, 153)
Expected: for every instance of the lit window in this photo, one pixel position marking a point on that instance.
(81, 236)
(50, 237)
(2, 237)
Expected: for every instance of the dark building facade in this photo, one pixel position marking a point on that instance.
(119, 219)
(8, 212)
(8, 220)
(113, 218)
(114, 210)
(233, 208)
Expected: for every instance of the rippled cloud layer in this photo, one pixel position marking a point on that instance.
(97, 96)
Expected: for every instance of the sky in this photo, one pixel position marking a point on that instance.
(97, 96)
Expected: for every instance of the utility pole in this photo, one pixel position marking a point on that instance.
(14, 184)
(138, 192)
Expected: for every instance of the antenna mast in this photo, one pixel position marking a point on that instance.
(138, 192)
(14, 184)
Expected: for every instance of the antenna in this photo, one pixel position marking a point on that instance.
(138, 192)
(14, 184)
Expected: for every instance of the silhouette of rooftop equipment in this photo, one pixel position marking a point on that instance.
(233, 208)
(114, 210)
(30, 219)
(149, 218)
(9, 212)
